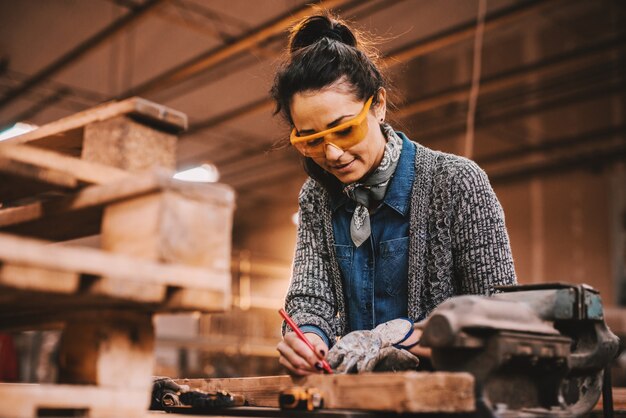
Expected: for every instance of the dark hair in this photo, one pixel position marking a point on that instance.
(323, 50)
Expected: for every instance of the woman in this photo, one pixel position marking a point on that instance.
(388, 228)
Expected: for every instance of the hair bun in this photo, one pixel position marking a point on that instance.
(313, 28)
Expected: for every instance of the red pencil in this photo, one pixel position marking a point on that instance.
(300, 335)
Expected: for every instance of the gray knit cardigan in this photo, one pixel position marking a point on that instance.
(458, 244)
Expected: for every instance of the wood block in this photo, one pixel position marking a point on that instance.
(33, 400)
(66, 135)
(108, 349)
(398, 392)
(125, 289)
(34, 278)
(197, 299)
(172, 226)
(124, 143)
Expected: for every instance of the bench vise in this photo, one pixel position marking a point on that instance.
(534, 350)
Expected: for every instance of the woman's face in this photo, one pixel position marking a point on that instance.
(315, 111)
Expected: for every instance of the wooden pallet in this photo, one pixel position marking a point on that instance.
(165, 246)
(406, 392)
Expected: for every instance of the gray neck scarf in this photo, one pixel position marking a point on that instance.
(373, 187)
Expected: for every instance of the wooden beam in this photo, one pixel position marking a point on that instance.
(19, 180)
(394, 392)
(84, 171)
(40, 254)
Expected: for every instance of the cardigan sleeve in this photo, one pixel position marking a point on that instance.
(481, 251)
(310, 297)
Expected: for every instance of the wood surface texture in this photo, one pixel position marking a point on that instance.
(124, 143)
(398, 392)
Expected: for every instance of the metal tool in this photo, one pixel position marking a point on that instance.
(167, 395)
(301, 398)
(534, 350)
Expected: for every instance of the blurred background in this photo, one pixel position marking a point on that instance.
(534, 91)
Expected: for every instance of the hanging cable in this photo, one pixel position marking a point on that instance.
(476, 69)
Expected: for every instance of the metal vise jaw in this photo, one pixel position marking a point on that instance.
(534, 350)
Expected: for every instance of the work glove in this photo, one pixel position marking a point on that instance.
(377, 350)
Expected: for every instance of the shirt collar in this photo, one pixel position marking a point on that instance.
(398, 193)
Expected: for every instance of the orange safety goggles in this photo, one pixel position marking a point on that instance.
(343, 136)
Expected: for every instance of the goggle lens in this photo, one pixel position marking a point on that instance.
(343, 136)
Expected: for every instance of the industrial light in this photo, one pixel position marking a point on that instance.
(17, 129)
(206, 173)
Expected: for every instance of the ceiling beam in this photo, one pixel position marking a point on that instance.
(611, 88)
(79, 51)
(493, 84)
(544, 68)
(422, 47)
(215, 56)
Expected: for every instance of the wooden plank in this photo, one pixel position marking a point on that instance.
(88, 172)
(21, 400)
(34, 278)
(66, 134)
(170, 227)
(44, 175)
(124, 289)
(36, 253)
(124, 143)
(398, 392)
(199, 299)
(258, 391)
(19, 180)
(84, 208)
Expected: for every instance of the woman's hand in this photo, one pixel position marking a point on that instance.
(298, 358)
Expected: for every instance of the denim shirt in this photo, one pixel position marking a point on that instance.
(375, 274)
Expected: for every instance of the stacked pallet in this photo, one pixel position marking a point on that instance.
(165, 247)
